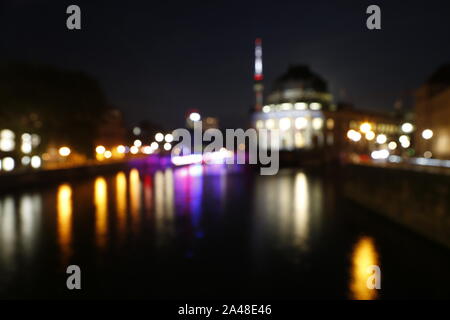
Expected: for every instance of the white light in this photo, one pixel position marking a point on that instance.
(137, 131)
(100, 149)
(64, 151)
(8, 164)
(403, 139)
(134, 149)
(154, 145)
(26, 137)
(167, 146)
(35, 140)
(121, 149)
(26, 147)
(188, 159)
(270, 124)
(300, 106)
(137, 143)
(381, 138)
(285, 123)
(194, 116)
(159, 137)
(407, 127)
(147, 150)
(286, 106)
(380, 154)
(7, 134)
(370, 135)
(365, 127)
(36, 162)
(7, 143)
(26, 160)
(168, 137)
(392, 145)
(108, 154)
(427, 134)
(266, 109)
(301, 123)
(315, 106)
(354, 135)
(317, 123)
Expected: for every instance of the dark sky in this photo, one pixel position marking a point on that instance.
(156, 59)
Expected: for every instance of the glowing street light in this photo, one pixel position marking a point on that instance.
(370, 135)
(137, 143)
(168, 137)
(8, 164)
(392, 145)
(64, 151)
(354, 135)
(427, 134)
(134, 150)
(381, 139)
(195, 116)
(407, 127)
(154, 145)
(167, 146)
(365, 127)
(100, 149)
(159, 137)
(36, 162)
(147, 150)
(121, 149)
(108, 154)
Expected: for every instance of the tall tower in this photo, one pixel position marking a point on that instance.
(258, 77)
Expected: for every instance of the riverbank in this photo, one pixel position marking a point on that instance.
(418, 200)
(22, 179)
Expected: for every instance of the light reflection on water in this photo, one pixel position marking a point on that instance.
(101, 210)
(283, 207)
(168, 208)
(363, 256)
(64, 219)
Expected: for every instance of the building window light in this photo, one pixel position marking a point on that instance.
(286, 106)
(317, 123)
(300, 106)
(285, 124)
(315, 106)
(301, 123)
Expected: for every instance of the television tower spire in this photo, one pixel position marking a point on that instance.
(258, 77)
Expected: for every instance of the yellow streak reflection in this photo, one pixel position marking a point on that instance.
(301, 206)
(101, 210)
(64, 218)
(364, 255)
(121, 200)
(135, 195)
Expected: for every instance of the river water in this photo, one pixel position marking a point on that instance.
(209, 232)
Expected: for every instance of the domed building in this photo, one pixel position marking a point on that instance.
(297, 106)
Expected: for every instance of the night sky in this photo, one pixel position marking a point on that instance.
(156, 59)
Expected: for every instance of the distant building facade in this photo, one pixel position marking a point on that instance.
(432, 112)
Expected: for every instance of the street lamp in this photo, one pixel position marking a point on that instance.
(427, 134)
(64, 151)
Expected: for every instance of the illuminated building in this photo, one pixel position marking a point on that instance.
(296, 107)
(432, 109)
(301, 108)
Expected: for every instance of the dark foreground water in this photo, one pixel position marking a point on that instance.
(209, 232)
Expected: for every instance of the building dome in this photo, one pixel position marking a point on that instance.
(300, 84)
(300, 76)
